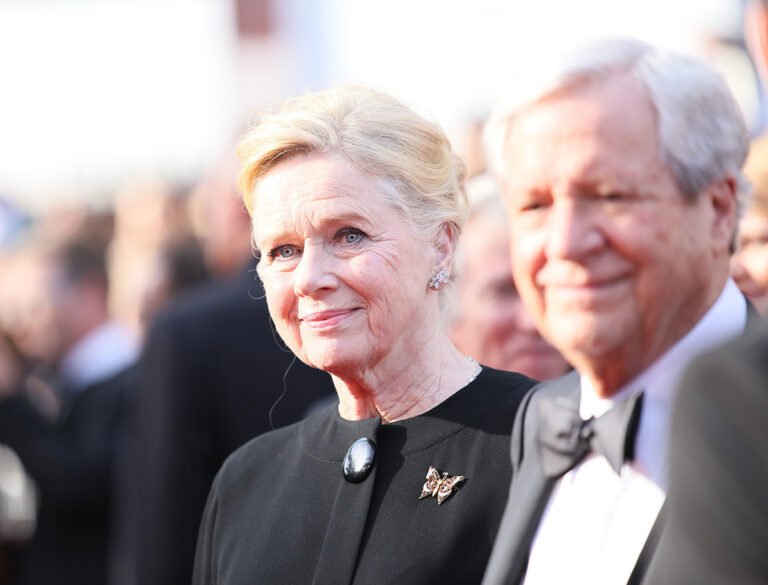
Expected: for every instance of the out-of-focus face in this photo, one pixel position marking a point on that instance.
(25, 306)
(492, 325)
(75, 308)
(344, 272)
(749, 265)
(614, 264)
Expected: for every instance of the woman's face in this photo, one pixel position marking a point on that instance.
(344, 272)
(749, 265)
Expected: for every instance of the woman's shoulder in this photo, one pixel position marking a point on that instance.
(506, 379)
(489, 402)
(502, 387)
(267, 449)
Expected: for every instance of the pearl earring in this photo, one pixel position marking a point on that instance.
(439, 279)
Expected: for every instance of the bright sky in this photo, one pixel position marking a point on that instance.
(96, 91)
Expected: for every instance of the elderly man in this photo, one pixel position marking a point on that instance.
(620, 177)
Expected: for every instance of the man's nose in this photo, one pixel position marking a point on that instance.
(573, 230)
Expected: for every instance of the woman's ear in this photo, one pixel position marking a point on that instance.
(445, 245)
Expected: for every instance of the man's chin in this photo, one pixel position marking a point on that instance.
(579, 341)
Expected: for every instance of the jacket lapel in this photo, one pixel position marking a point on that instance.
(530, 489)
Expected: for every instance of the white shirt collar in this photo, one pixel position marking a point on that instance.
(726, 319)
(99, 355)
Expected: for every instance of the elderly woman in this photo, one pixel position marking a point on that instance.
(357, 203)
(749, 265)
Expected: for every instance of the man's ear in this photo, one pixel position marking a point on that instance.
(723, 195)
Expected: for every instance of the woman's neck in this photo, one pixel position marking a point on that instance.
(404, 388)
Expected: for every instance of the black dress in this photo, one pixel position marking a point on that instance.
(280, 511)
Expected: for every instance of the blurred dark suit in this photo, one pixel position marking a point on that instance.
(70, 456)
(211, 370)
(717, 528)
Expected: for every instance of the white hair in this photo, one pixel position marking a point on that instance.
(703, 136)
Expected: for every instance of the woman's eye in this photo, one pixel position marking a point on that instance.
(283, 252)
(350, 236)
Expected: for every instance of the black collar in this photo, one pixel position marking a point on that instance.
(326, 436)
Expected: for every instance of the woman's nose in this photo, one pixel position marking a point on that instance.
(314, 272)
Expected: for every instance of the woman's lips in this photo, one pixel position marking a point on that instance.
(325, 319)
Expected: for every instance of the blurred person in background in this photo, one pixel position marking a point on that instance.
(18, 503)
(489, 321)
(756, 36)
(211, 377)
(749, 264)
(717, 523)
(151, 217)
(470, 146)
(13, 223)
(718, 526)
(62, 420)
(221, 222)
(178, 267)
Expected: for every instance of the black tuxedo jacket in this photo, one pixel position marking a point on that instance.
(531, 489)
(211, 371)
(71, 460)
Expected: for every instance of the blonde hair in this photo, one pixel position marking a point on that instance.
(375, 133)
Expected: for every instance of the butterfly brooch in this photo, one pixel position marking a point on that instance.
(439, 487)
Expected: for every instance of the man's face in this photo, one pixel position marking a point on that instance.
(614, 264)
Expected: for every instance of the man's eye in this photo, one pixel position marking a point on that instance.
(533, 204)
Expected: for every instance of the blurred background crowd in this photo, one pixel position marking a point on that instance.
(119, 219)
